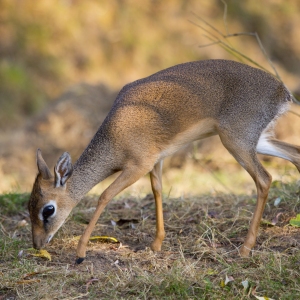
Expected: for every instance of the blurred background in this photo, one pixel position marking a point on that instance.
(62, 63)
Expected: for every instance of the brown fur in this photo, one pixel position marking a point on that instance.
(155, 116)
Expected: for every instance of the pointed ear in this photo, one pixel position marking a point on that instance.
(42, 166)
(63, 170)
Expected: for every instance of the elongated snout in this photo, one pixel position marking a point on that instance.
(40, 242)
(40, 238)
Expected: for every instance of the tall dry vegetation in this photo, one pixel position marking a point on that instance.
(49, 45)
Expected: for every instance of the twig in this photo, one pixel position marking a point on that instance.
(225, 17)
(226, 46)
(255, 34)
(210, 44)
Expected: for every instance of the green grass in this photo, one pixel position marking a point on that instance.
(200, 250)
(13, 203)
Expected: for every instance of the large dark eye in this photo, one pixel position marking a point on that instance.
(48, 211)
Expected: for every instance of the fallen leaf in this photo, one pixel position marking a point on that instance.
(30, 274)
(90, 282)
(228, 279)
(211, 272)
(22, 223)
(245, 284)
(222, 283)
(295, 221)
(43, 253)
(258, 297)
(276, 219)
(28, 281)
(277, 201)
(127, 205)
(266, 222)
(102, 238)
(116, 262)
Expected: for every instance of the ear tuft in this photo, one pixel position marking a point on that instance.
(42, 166)
(63, 170)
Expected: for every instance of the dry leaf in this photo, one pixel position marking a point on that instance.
(127, 205)
(245, 284)
(266, 222)
(258, 297)
(277, 201)
(211, 272)
(28, 281)
(22, 223)
(115, 263)
(43, 253)
(222, 283)
(295, 221)
(228, 279)
(30, 274)
(275, 220)
(90, 282)
(102, 238)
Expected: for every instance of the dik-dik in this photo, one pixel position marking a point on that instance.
(153, 118)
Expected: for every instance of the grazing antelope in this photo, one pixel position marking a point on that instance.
(154, 117)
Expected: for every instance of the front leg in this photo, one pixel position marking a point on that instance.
(84, 239)
(128, 176)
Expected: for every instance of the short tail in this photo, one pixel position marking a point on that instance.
(291, 97)
(294, 99)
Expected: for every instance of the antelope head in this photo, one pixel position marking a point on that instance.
(50, 204)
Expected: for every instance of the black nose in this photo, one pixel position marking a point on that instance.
(37, 245)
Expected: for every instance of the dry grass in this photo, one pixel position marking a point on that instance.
(200, 250)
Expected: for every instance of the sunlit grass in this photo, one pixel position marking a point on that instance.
(198, 254)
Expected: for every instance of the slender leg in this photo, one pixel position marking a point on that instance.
(244, 153)
(263, 183)
(156, 183)
(125, 179)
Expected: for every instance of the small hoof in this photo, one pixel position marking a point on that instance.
(244, 252)
(155, 247)
(79, 260)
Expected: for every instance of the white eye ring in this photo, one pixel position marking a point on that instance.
(51, 202)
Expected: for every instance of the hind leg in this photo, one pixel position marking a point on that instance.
(274, 147)
(156, 183)
(245, 153)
